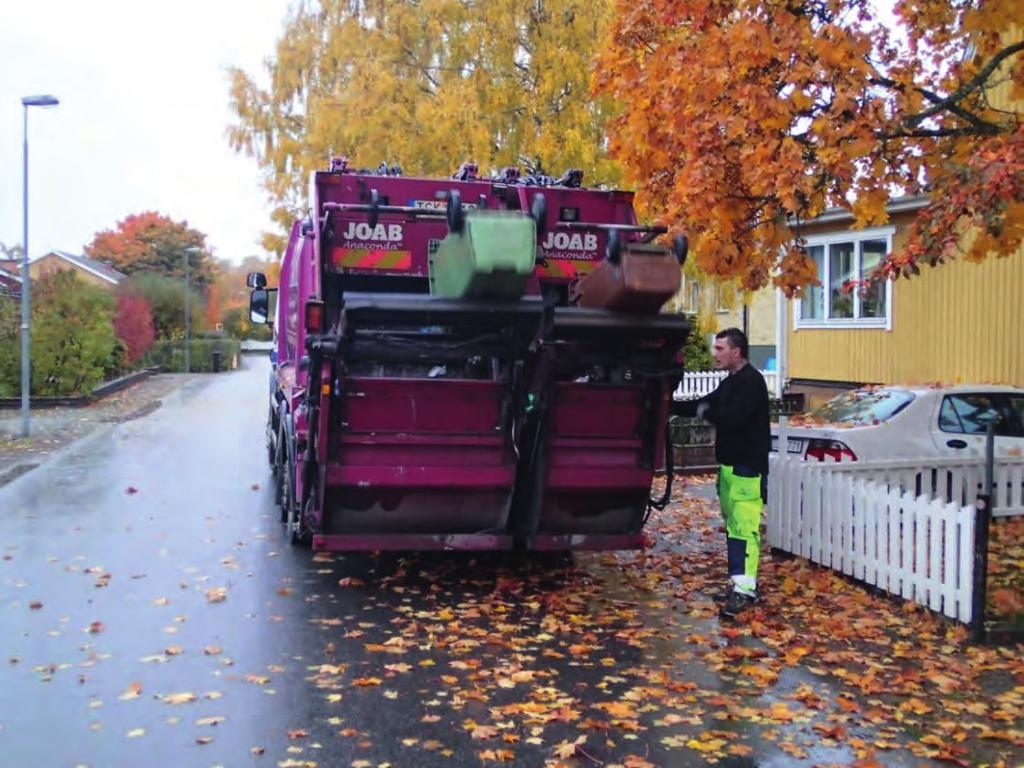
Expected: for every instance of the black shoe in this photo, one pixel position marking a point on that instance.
(736, 603)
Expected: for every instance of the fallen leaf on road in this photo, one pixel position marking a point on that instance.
(215, 720)
(217, 594)
(483, 732)
(132, 693)
(178, 698)
(35, 606)
(568, 748)
(95, 628)
(135, 733)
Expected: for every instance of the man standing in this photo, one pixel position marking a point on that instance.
(739, 411)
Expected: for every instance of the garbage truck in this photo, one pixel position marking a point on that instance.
(471, 362)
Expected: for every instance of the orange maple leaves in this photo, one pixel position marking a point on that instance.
(741, 119)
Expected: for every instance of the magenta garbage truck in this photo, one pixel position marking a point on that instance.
(470, 363)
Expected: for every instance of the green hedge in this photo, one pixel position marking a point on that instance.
(170, 355)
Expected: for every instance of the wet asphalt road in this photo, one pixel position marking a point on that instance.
(152, 614)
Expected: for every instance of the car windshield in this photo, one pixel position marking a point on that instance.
(863, 406)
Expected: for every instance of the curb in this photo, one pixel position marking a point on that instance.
(103, 390)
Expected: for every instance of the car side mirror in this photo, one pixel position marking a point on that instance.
(256, 280)
(260, 305)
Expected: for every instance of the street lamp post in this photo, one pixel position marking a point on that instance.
(26, 378)
(188, 292)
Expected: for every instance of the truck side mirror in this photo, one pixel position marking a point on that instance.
(259, 306)
(256, 280)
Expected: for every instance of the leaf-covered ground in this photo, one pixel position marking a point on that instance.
(209, 642)
(620, 659)
(1006, 572)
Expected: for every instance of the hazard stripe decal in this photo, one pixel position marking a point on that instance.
(371, 258)
(564, 268)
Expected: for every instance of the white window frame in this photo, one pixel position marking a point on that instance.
(856, 237)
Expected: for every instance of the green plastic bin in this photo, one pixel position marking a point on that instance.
(492, 257)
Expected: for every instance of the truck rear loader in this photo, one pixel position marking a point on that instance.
(470, 363)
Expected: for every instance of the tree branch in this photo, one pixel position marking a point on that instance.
(971, 85)
(928, 133)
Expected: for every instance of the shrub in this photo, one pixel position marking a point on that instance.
(170, 354)
(133, 324)
(697, 352)
(10, 347)
(72, 334)
(166, 298)
(236, 323)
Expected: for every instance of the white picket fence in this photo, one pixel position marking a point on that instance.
(696, 384)
(905, 527)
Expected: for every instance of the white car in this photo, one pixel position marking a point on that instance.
(909, 423)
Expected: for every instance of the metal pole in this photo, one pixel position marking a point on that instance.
(781, 341)
(982, 519)
(26, 378)
(187, 328)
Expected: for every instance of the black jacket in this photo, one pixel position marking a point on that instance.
(739, 411)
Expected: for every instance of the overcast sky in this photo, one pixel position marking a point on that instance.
(142, 119)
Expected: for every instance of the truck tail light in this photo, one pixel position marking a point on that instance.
(829, 450)
(314, 317)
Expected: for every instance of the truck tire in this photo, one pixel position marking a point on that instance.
(271, 448)
(281, 470)
(298, 533)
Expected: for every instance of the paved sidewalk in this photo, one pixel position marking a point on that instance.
(55, 428)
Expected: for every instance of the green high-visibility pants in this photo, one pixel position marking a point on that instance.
(741, 502)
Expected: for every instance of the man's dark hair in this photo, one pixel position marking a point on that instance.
(736, 339)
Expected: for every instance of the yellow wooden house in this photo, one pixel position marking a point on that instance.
(960, 322)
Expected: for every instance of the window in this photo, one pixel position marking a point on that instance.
(812, 305)
(291, 322)
(689, 297)
(843, 260)
(970, 414)
(1017, 402)
(864, 406)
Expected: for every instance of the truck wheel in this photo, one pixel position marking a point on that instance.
(613, 251)
(539, 213)
(453, 212)
(271, 451)
(681, 247)
(298, 533)
(285, 472)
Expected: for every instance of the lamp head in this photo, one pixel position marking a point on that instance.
(42, 100)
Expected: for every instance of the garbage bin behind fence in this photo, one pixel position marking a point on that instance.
(216, 355)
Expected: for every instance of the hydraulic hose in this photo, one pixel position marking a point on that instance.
(666, 497)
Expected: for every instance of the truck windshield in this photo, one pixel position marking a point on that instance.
(864, 406)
